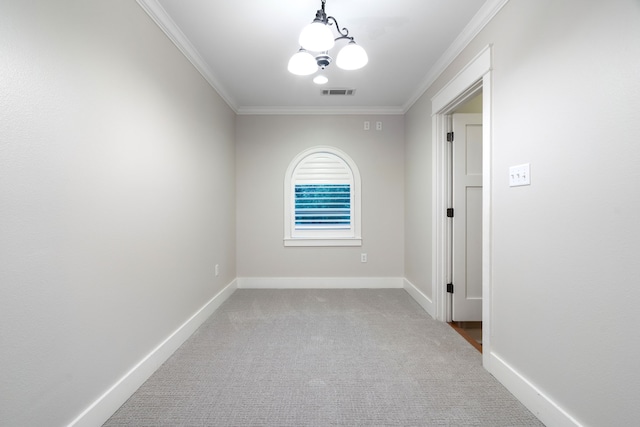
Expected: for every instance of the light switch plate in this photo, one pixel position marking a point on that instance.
(520, 175)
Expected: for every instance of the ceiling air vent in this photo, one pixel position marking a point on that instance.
(338, 92)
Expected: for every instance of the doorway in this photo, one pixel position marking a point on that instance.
(474, 79)
(465, 150)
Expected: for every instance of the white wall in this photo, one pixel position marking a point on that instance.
(418, 197)
(565, 250)
(265, 147)
(116, 200)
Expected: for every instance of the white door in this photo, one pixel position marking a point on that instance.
(467, 219)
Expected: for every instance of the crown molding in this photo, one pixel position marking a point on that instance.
(470, 31)
(171, 29)
(246, 111)
(160, 16)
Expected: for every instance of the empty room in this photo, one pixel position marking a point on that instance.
(319, 213)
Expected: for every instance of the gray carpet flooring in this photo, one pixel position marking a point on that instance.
(364, 357)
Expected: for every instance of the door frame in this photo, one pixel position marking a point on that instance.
(473, 78)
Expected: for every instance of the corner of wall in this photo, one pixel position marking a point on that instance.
(425, 302)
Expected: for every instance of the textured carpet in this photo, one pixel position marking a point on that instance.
(323, 358)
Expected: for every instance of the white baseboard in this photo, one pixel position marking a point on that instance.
(541, 405)
(424, 301)
(100, 410)
(319, 282)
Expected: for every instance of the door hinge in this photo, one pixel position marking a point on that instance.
(450, 288)
(449, 136)
(450, 213)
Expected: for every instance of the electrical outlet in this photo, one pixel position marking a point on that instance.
(378, 125)
(217, 269)
(363, 257)
(367, 125)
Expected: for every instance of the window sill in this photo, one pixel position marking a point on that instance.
(322, 242)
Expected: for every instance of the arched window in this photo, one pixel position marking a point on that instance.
(322, 199)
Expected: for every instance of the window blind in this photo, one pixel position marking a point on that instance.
(322, 206)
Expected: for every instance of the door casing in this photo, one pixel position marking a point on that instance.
(474, 77)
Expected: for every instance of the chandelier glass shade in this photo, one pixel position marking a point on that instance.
(316, 39)
(352, 57)
(302, 63)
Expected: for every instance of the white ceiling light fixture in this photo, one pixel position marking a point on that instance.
(320, 80)
(317, 37)
(302, 63)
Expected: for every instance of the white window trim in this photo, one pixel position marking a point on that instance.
(331, 237)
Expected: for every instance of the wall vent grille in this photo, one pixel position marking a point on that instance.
(338, 92)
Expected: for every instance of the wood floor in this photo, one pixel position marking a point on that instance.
(470, 331)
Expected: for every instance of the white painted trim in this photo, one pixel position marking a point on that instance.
(425, 302)
(465, 79)
(440, 229)
(100, 410)
(160, 16)
(297, 241)
(487, 213)
(541, 405)
(296, 111)
(320, 282)
(477, 23)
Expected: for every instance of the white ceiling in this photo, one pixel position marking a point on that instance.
(242, 48)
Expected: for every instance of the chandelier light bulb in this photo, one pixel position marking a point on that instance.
(352, 57)
(320, 80)
(302, 63)
(316, 37)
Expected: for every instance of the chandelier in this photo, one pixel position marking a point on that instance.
(315, 41)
